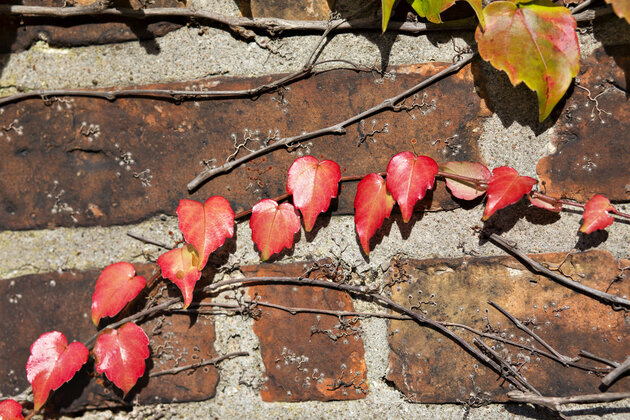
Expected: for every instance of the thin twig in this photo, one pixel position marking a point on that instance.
(148, 241)
(536, 267)
(339, 128)
(598, 358)
(508, 367)
(194, 366)
(556, 402)
(563, 359)
(617, 372)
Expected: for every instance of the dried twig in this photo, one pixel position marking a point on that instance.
(598, 358)
(617, 372)
(148, 241)
(556, 402)
(339, 128)
(536, 267)
(563, 359)
(194, 366)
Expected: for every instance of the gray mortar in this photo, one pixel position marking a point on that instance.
(512, 137)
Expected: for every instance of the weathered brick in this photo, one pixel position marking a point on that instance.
(590, 136)
(20, 33)
(61, 301)
(428, 367)
(307, 356)
(121, 162)
(292, 9)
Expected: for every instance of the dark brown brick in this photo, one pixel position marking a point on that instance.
(292, 9)
(19, 34)
(428, 367)
(58, 172)
(307, 356)
(61, 301)
(591, 134)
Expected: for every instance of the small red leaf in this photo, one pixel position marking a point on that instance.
(121, 354)
(180, 266)
(52, 363)
(273, 226)
(463, 189)
(504, 188)
(10, 410)
(596, 215)
(408, 179)
(372, 204)
(547, 205)
(116, 286)
(313, 184)
(206, 226)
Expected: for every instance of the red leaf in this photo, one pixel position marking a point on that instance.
(463, 189)
(206, 226)
(547, 205)
(121, 354)
(10, 410)
(596, 215)
(372, 204)
(52, 363)
(180, 266)
(273, 226)
(504, 188)
(116, 286)
(408, 179)
(313, 184)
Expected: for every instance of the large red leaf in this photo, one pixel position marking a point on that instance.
(372, 204)
(206, 226)
(596, 215)
(273, 226)
(504, 188)
(116, 286)
(533, 42)
(621, 8)
(313, 184)
(181, 267)
(121, 354)
(408, 179)
(463, 189)
(52, 363)
(551, 205)
(10, 410)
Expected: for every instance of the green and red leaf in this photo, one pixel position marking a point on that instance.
(533, 42)
(10, 410)
(386, 7)
(206, 226)
(408, 179)
(181, 267)
(621, 8)
(313, 184)
(120, 354)
(466, 190)
(52, 363)
(504, 188)
(273, 226)
(596, 214)
(430, 9)
(116, 286)
(372, 205)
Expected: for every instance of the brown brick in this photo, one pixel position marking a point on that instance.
(59, 173)
(19, 34)
(591, 134)
(61, 301)
(307, 356)
(428, 367)
(292, 9)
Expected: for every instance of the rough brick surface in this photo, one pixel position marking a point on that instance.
(120, 162)
(20, 33)
(61, 301)
(307, 356)
(592, 147)
(428, 367)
